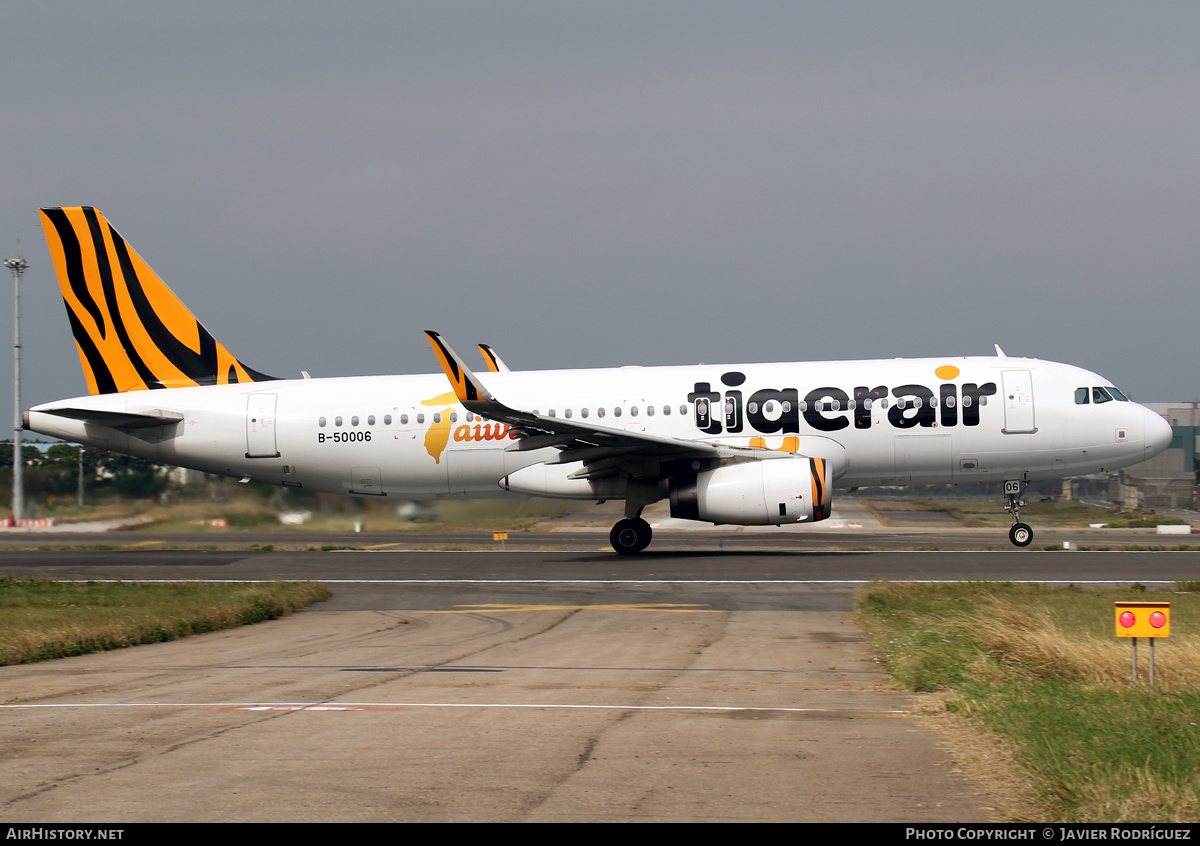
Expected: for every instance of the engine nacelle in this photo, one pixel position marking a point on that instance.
(757, 493)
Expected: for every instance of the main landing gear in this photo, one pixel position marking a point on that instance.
(630, 536)
(1020, 534)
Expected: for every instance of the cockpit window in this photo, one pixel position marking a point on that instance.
(1100, 395)
(1081, 396)
(1117, 395)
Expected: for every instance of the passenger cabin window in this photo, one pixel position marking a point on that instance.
(387, 420)
(370, 419)
(321, 422)
(1081, 396)
(354, 420)
(337, 421)
(403, 419)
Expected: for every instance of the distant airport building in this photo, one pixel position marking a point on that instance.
(1169, 479)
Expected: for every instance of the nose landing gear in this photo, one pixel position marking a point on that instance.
(1020, 534)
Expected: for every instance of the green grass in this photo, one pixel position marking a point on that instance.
(1148, 521)
(41, 619)
(253, 514)
(981, 513)
(1041, 670)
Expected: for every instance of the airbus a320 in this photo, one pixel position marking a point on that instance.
(744, 444)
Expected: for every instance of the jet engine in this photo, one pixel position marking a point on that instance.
(757, 493)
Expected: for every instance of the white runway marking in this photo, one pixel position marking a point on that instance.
(380, 706)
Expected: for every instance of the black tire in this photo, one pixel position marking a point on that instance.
(1020, 535)
(630, 536)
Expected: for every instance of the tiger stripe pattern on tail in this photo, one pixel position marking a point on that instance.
(131, 331)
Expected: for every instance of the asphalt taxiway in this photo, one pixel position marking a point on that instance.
(505, 686)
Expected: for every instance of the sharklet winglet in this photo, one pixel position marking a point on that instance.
(467, 386)
(493, 361)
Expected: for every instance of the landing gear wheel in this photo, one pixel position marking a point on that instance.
(630, 536)
(1020, 535)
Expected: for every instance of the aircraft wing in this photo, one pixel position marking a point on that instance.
(603, 449)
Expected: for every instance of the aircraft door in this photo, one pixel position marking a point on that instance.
(260, 426)
(1018, 402)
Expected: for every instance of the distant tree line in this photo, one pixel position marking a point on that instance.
(56, 471)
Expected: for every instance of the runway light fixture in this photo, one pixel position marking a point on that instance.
(1143, 619)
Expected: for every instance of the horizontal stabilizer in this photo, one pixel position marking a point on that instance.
(117, 419)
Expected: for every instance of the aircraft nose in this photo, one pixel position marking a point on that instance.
(1158, 433)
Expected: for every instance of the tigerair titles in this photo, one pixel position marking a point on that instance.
(829, 409)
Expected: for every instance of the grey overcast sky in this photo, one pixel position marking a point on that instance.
(608, 183)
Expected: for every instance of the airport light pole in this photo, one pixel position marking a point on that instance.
(17, 266)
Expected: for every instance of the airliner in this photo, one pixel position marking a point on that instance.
(743, 444)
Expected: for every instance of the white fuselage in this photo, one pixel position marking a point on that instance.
(977, 420)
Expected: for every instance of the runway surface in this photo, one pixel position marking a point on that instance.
(513, 686)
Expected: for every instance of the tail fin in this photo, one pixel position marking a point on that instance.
(131, 331)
